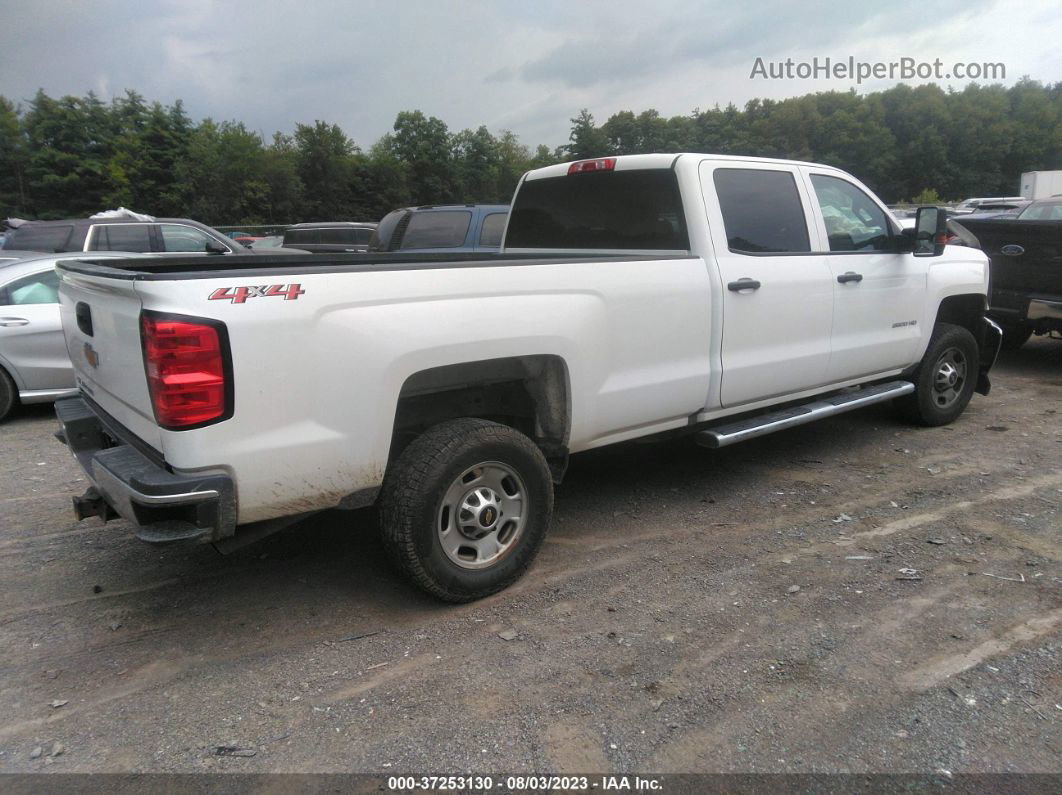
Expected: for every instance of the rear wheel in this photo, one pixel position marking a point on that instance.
(465, 508)
(945, 379)
(8, 394)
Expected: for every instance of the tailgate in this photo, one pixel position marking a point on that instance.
(1026, 255)
(101, 323)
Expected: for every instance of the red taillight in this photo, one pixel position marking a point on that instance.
(600, 164)
(185, 364)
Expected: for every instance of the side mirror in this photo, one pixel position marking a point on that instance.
(931, 231)
(213, 247)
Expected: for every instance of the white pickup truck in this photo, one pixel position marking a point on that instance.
(726, 297)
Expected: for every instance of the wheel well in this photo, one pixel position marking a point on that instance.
(528, 393)
(963, 310)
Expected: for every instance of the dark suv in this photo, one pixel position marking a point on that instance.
(160, 236)
(329, 237)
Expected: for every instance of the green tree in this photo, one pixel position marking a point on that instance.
(69, 142)
(13, 155)
(324, 155)
(422, 144)
(587, 140)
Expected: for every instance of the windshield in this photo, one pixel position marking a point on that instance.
(1047, 211)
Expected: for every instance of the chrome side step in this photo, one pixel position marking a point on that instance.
(761, 425)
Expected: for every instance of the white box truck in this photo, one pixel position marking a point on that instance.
(1041, 184)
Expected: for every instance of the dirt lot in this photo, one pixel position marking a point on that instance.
(661, 629)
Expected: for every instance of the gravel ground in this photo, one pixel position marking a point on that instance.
(814, 601)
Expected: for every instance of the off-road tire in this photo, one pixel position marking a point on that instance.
(424, 474)
(933, 402)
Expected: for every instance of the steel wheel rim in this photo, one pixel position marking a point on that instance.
(482, 515)
(949, 378)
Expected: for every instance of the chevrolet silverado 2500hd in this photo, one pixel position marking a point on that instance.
(726, 297)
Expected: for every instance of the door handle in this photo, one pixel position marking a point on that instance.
(13, 321)
(851, 276)
(743, 284)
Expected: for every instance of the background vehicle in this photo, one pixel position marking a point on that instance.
(161, 236)
(636, 296)
(1026, 284)
(1041, 184)
(329, 237)
(454, 228)
(976, 204)
(34, 364)
(10, 255)
(269, 241)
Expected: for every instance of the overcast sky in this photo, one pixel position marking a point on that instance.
(525, 66)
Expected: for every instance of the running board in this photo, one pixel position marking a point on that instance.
(761, 425)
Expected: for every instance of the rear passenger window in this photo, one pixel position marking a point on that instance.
(295, 236)
(123, 237)
(761, 211)
(445, 229)
(493, 226)
(338, 236)
(362, 236)
(853, 221)
(31, 237)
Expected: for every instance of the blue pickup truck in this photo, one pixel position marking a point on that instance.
(452, 228)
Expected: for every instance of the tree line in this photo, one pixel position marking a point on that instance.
(73, 156)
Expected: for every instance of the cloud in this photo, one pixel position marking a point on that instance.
(528, 67)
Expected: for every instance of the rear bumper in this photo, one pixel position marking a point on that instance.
(163, 505)
(1044, 310)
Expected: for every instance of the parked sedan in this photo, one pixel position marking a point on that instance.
(34, 366)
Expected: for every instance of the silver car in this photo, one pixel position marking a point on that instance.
(34, 366)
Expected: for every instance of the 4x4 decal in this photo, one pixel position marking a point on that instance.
(239, 295)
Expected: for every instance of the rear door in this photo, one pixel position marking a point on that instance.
(778, 296)
(133, 237)
(879, 293)
(31, 334)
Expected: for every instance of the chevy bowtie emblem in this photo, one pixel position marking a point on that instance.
(91, 356)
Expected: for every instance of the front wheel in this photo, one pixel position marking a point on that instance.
(945, 378)
(465, 508)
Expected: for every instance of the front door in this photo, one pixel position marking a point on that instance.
(879, 294)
